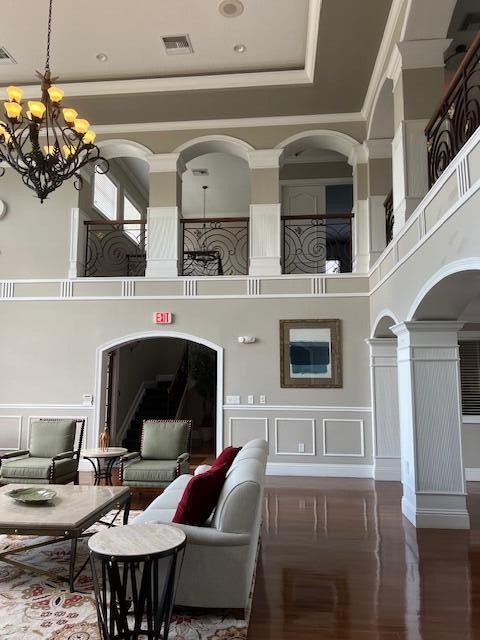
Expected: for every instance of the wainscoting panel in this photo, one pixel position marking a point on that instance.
(10, 433)
(343, 437)
(241, 429)
(292, 433)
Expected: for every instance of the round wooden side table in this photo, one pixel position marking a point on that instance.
(102, 461)
(134, 570)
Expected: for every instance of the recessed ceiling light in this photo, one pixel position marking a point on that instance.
(230, 8)
(102, 57)
(239, 48)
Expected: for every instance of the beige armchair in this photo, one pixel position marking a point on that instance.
(164, 454)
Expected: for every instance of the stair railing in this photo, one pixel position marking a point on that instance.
(178, 385)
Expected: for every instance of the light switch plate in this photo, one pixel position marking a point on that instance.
(262, 399)
(250, 400)
(232, 400)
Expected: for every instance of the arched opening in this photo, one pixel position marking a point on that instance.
(113, 209)
(382, 325)
(317, 200)
(160, 375)
(216, 198)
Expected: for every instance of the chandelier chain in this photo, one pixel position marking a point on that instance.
(49, 32)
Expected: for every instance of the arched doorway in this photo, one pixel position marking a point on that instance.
(197, 397)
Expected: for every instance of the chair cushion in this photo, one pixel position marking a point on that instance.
(36, 468)
(151, 471)
(200, 496)
(227, 456)
(164, 440)
(51, 437)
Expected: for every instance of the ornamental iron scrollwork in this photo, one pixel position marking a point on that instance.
(389, 217)
(115, 248)
(317, 244)
(458, 116)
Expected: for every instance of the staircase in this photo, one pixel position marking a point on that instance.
(154, 404)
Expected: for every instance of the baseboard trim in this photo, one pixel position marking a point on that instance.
(320, 470)
(435, 518)
(383, 474)
(472, 474)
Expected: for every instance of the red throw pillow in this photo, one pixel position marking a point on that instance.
(200, 496)
(227, 456)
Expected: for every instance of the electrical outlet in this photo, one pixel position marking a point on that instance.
(301, 447)
(232, 400)
(250, 399)
(262, 399)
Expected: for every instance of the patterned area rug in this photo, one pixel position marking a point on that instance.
(35, 607)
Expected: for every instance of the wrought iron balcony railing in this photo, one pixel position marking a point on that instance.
(215, 246)
(115, 248)
(317, 243)
(458, 116)
(389, 217)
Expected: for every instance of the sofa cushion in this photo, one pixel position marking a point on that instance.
(154, 515)
(36, 468)
(227, 456)
(51, 437)
(200, 496)
(150, 471)
(164, 440)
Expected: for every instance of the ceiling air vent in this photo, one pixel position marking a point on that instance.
(200, 172)
(175, 45)
(5, 57)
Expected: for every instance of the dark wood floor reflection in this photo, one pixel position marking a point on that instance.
(338, 562)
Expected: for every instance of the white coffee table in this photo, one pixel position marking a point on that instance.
(102, 461)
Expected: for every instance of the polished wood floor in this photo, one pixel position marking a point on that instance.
(338, 562)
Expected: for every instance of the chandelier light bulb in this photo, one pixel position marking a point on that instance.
(14, 94)
(80, 125)
(13, 110)
(68, 150)
(49, 150)
(69, 115)
(55, 94)
(37, 109)
(89, 137)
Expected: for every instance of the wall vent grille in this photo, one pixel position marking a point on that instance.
(175, 45)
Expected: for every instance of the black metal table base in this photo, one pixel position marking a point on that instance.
(102, 468)
(133, 599)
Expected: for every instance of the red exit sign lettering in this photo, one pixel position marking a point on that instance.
(162, 317)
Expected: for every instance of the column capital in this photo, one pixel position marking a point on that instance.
(378, 148)
(167, 163)
(426, 326)
(358, 155)
(416, 54)
(264, 158)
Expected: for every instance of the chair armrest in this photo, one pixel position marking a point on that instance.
(201, 469)
(130, 456)
(210, 537)
(15, 454)
(183, 457)
(62, 456)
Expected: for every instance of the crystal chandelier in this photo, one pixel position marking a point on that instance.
(48, 143)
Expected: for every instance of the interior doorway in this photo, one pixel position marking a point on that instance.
(159, 377)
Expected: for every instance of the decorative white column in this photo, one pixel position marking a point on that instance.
(164, 250)
(78, 241)
(379, 154)
(265, 213)
(360, 225)
(417, 70)
(385, 416)
(430, 425)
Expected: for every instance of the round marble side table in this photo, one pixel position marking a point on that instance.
(102, 461)
(134, 572)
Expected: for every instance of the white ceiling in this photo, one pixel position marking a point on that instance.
(274, 32)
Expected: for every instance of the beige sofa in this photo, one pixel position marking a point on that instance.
(220, 557)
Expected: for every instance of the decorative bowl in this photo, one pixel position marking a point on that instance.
(32, 495)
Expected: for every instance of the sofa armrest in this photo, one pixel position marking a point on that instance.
(201, 469)
(211, 537)
(183, 457)
(15, 454)
(130, 456)
(62, 456)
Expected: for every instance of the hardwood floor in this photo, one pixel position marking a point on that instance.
(338, 562)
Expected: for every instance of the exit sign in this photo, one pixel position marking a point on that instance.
(162, 317)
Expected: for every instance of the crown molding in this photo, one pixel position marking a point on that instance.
(230, 123)
(314, 10)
